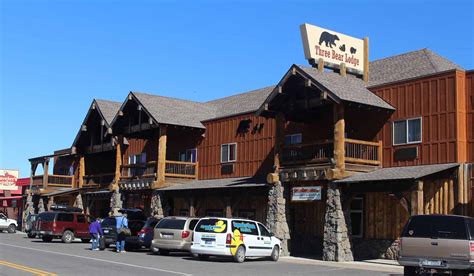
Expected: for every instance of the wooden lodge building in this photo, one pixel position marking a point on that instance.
(379, 151)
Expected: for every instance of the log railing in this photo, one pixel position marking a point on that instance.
(315, 152)
(54, 180)
(103, 179)
(181, 169)
(363, 152)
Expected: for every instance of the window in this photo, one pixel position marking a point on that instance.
(136, 159)
(66, 217)
(228, 153)
(81, 219)
(175, 224)
(436, 227)
(293, 139)
(407, 131)
(192, 224)
(189, 156)
(357, 217)
(263, 231)
(245, 227)
(211, 226)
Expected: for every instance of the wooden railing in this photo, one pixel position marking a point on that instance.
(37, 180)
(103, 179)
(315, 152)
(363, 152)
(130, 171)
(54, 180)
(181, 169)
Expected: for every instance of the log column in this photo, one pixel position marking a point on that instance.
(228, 207)
(82, 171)
(279, 139)
(417, 199)
(161, 160)
(118, 164)
(339, 140)
(192, 209)
(45, 173)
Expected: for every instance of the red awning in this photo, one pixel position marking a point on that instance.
(10, 197)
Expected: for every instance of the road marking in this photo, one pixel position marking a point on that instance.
(99, 260)
(27, 269)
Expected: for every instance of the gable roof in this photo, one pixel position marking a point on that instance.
(408, 66)
(398, 173)
(173, 111)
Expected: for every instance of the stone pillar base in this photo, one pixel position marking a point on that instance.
(276, 216)
(156, 206)
(115, 203)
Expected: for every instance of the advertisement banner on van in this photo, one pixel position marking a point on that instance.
(8, 179)
(309, 193)
(333, 48)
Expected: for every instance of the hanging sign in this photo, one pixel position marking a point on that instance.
(334, 48)
(8, 179)
(307, 193)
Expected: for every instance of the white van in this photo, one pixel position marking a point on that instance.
(234, 237)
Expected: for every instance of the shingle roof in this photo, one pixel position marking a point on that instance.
(173, 111)
(348, 88)
(407, 66)
(240, 103)
(398, 173)
(240, 182)
(108, 109)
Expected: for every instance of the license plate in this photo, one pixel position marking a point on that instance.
(167, 236)
(106, 231)
(430, 263)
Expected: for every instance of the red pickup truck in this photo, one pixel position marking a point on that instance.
(62, 225)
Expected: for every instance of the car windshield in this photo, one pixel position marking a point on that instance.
(211, 226)
(171, 224)
(47, 216)
(442, 227)
(108, 222)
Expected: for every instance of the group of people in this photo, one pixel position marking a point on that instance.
(96, 232)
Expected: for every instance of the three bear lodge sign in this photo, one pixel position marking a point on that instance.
(335, 49)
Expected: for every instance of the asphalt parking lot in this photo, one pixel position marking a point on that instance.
(20, 255)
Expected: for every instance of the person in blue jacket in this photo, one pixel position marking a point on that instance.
(121, 222)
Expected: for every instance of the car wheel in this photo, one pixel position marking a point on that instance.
(409, 270)
(86, 240)
(203, 257)
(164, 252)
(275, 253)
(31, 235)
(154, 250)
(47, 238)
(240, 254)
(11, 228)
(68, 236)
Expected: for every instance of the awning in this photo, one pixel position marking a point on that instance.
(398, 173)
(10, 197)
(241, 182)
(100, 192)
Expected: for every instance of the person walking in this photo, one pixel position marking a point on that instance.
(122, 232)
(95, 231)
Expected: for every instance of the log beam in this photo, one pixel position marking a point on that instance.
(417, 199)
(161, 158)
(82, 170)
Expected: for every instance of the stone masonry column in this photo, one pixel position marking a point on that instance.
(156, 205)
(78, 202)
(29, 208)
(41, 206)
(336, 245)
(115, 202)
(276, 216)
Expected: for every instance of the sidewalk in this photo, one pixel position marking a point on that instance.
(382, 265)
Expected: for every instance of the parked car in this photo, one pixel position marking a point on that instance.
(136, 221)
(63, 225)
(437, 243)
(237, 238)
(173, 234)
(30, 219)
(7, 224)
(145, 235)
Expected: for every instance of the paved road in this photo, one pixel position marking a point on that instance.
(22, 256)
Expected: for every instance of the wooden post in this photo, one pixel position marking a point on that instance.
(342, 70)
(380, 153)
(32, 173)
(161, 158)
(339, 140)
(460, 194)
(192, 210)
(279, 139)
(118, 164)
(45, 173)
(196, 171)
(82, 170)
(320, 65)
(228, 208)
(417, 199)
(451, 197)
(445, 198)
(366, 60)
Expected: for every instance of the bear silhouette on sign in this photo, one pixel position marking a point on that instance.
(353, 50)
(343, 47)
(328, 39)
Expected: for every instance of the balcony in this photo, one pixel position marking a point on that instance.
(98, 180)
(311, 161)
(54, 180)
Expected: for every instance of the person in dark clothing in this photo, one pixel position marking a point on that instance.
(95, 231)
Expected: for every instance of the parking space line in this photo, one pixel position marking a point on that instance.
(27, 269)
(98, 260)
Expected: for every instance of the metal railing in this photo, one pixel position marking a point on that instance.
(181, 169)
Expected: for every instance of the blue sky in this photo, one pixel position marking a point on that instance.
(56, 56)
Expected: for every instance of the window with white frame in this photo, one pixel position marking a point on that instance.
(357, 216)
(293, 139)
(228, 152)
(189, 156)
(407, 131)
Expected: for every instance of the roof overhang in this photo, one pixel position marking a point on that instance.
(93, 107)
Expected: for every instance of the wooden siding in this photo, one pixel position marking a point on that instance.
(254, 149)
(470, 115)
(435, 100)
(137, 146)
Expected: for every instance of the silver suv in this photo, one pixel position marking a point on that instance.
(173, 234)
(438, 243)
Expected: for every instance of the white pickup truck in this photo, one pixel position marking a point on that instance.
(7, 224)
